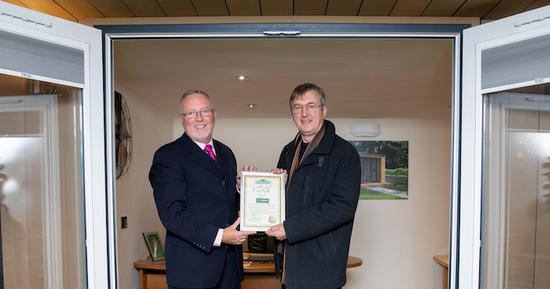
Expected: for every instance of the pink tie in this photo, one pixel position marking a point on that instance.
(208, 150)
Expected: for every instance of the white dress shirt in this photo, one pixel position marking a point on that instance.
(218, 240)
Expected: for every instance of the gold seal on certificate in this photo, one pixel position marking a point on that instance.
(262, 200)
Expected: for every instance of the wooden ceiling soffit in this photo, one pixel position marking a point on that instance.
(506, 8)
(310, 7)
(376, 8)
(48, 7)
(243, 7)
(477, 8)
(145, 8)
(277, 7)
(409, 7)
(174, 8)
(442, 7)
(210, 7)
(344, 7)
(112, 8)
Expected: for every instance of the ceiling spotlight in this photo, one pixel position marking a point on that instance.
(251, 105)
(241, 77)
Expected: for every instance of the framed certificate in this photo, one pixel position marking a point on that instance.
(262, 200)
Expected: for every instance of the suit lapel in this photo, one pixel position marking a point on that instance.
(199, 157)
(223, 158)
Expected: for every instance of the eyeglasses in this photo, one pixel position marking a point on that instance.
(193, 114)
(311, 108)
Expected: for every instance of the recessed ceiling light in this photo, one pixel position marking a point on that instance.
(241, 77)
(251, 105)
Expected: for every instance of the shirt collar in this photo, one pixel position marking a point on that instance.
(203, 145)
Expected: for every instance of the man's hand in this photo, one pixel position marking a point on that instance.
(246, 168)
(277, 231)
(232, 236)
(277, 171)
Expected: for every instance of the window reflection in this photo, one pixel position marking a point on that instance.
(516, 187)
(41, 185)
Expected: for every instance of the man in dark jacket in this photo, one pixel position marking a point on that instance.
(322, 191)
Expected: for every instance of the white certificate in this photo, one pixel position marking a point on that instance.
(262, 200)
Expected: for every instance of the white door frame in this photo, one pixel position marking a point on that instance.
(109, 101)
(35, 25)
(505, 31)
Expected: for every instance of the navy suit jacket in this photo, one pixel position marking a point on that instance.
(195, 196)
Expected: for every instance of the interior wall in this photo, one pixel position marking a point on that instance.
(396, 239)
(134, 195)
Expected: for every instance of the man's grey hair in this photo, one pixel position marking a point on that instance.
(195, 91)
(303, 88)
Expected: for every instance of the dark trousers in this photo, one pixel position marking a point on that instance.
(230, 276)
(283, 287)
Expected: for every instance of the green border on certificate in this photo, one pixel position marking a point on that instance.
(262, 200)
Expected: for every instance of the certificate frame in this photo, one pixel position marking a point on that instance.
(262, 200)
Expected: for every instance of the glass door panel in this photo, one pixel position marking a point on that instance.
(41, 185)
(516, 189)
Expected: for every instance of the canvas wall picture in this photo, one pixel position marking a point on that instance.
(384, 169)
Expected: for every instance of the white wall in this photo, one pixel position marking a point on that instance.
(395, 238)
(253, 141)
(134, 195)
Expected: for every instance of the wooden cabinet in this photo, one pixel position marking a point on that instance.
(152, 275)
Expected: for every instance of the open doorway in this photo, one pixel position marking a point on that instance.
(407, 83)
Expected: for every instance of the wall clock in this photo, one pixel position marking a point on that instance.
(123, 136)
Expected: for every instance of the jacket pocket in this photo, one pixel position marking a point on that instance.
(308, 196)
(330, 247)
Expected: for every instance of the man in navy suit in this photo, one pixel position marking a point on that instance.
(194, 183)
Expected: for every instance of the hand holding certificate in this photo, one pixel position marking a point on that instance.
(262, 200)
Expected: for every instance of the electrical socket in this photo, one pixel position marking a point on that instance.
(124, 222)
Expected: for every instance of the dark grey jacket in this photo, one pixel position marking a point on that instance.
(321, 202)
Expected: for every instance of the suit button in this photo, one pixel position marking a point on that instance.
(226, 246)
(227, 202)
(223, 183)
(227, 224)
